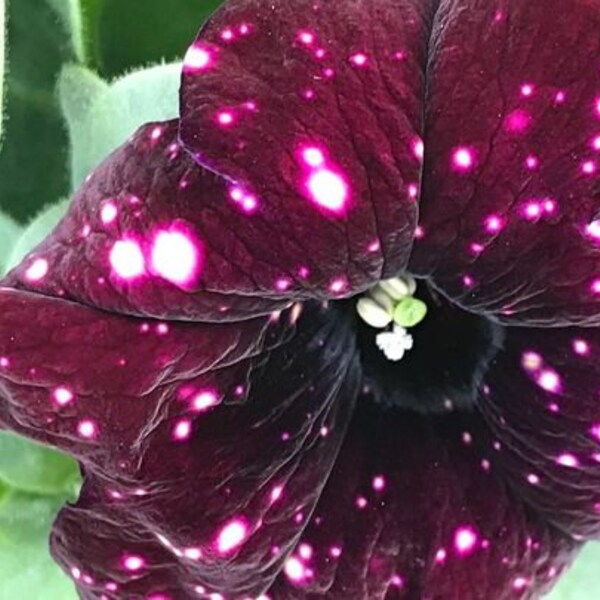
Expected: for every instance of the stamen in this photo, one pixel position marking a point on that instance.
(392, 301)
(373, 314)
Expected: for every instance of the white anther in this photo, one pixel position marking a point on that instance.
(382, 299)
(394, 344)
(373, 314)
(399, 287)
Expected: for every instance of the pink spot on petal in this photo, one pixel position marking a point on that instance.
(595, 286)
(463, 159)
(567, 460)
(204, 400)
(468, 281)
(531, 361)
(440, 556)
(306, 37)
(175, 257)
(465, 540)
(295, 570)
(359, 59)
(87, 429)
(527, 90)
(413, 190)
(283, 283)
(133, 563)
(581, 347)
(108, 213)
(418, 149)
(339, 285)
(225, 118)
(231, 536)
(126, 259)
(276, 493)
(378, 483)
(63, 396)
(305, 551)
(532, 162)
(549, 380)
(517, 122)
(197, 59)
(192, 553)
(494, 223)
(227, 35)
(589, 167)
(37, 270)
(182, 430)
(313, 157)
(328, 190)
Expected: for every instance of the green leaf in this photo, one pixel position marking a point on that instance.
(581, 582)
(31, 467)
(9, 233)
(70, 12)
(2, 32)
(121, 35)
(27, 570)
(101, 117)
(34, 157)
(36, 231)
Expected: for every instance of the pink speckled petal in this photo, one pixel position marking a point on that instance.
(542, 404)
(509, 221)
(411, 511)
(204, 447)
(315, 107)
(151, 233)
(95, 383)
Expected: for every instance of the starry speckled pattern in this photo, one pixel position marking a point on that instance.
(180, 331)
(509, 218)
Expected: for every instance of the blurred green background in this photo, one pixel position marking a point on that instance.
(79, 76)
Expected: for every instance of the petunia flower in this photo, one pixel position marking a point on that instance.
(191, 331)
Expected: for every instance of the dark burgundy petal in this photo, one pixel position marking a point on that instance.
(203, 457)
(412, 510)
(67, 369)
(315, 108)
(509, 212)
(542, 403)
(151, 233)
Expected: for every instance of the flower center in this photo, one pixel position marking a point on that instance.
(392, 307)
(420, 351)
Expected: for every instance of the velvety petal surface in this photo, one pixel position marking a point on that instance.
(541, 401)
(509, 218)
(413, 510)
(151, 233)
(315, 109)
(204, 447)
